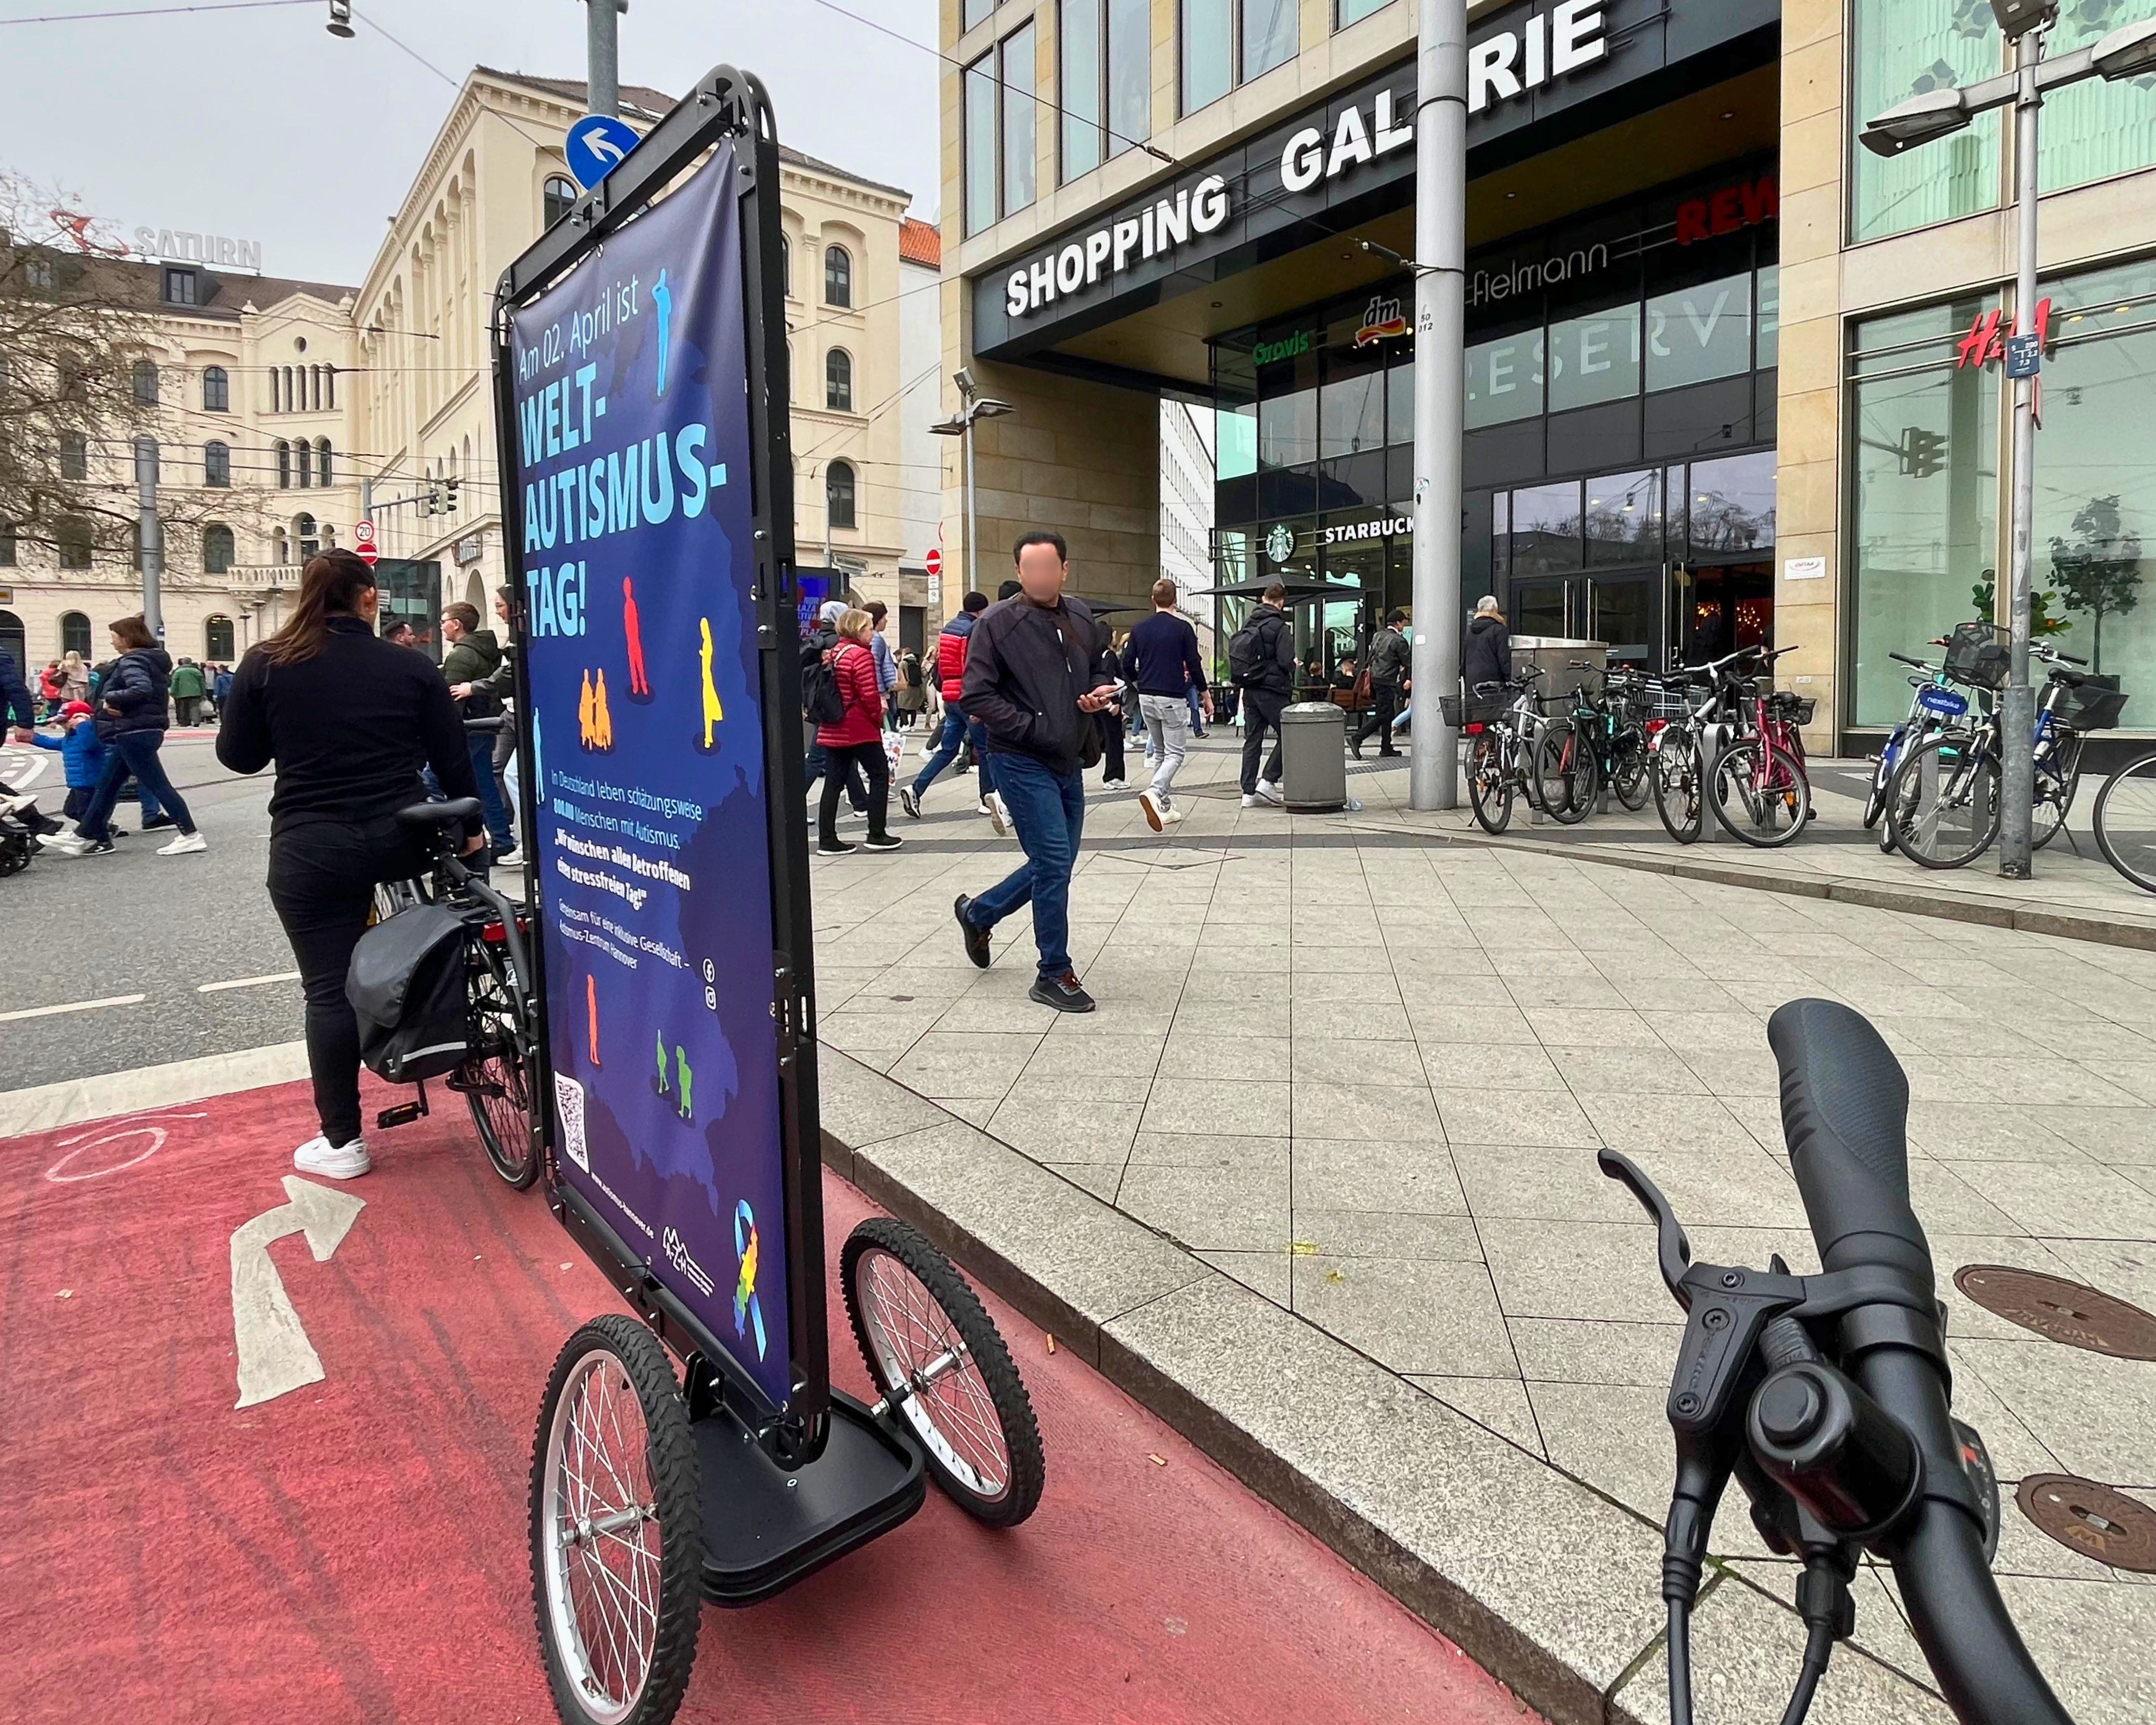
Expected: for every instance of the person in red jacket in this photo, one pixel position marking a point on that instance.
(951, 677)
(857, 736)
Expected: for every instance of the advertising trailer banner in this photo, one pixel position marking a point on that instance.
(633, 509)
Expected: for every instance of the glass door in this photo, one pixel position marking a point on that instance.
(1614, 607)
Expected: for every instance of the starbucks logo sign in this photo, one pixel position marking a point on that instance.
(1280, 543)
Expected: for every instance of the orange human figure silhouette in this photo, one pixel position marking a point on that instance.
(639, 684)
(584, 725)
(591, 1016)
(602, 719)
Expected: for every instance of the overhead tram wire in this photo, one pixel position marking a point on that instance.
(84, 18)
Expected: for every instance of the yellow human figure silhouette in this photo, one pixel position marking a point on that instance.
(713, 712)
(584, 725)
(602, 719)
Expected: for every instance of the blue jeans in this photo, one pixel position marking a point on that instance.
(1197, 710)
(956, 726)
(1048, 807)
(133, 752)
(479, 745)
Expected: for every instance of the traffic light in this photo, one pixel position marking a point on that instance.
(1923, 452)
(449, 495)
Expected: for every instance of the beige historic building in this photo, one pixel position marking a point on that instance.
(242, 380)
(1729, 377)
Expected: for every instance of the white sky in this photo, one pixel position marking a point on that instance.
(259, 125)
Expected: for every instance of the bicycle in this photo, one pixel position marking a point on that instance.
(1499, 745)
(1679, 746)
(1828, 1398)
(1761, 773)
(1934, 705)
(1600, 744)
(498, 1078)
(2125, 819)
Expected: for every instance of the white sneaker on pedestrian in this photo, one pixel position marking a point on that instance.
(67, 844)
(1172, 815)
(1250, 800)
(345, 1161)
(998, 815)
(982, 809)
(511, 859)
(1270, 792)
(187, 845)
(1154, 809)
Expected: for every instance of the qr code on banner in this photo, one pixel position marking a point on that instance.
(569, 1104)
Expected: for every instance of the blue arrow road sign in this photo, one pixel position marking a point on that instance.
(597, 145)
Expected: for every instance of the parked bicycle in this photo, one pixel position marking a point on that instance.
(1935, 705)
(1600, 744)
(1711, 713)
(1761, 792)
(2125, 819)
(1504, 724)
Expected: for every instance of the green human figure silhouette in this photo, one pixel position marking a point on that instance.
(681, 1063)
(661, 1036)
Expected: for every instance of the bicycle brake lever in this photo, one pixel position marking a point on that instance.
(1671, 1247)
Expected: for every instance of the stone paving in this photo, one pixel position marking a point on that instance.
(1363, 1072)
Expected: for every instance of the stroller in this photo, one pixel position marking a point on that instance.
(22, 824)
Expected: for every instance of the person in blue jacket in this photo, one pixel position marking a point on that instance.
(82, 756)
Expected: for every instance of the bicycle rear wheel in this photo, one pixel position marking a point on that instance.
(1677, 773)
(2126, 821)
(496, 1080)
(1629, 778)
(1489, 784)
(1943, 807)
(1766, 805)
(1568, 772)
(2056, 784)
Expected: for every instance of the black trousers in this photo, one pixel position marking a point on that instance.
(1262, 711)
(322, 875)
(1387, 697)
(1110, 726)
(844, 760)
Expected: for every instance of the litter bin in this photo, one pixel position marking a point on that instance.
(1314, 756)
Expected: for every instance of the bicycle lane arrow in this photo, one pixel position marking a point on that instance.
(275, 1356)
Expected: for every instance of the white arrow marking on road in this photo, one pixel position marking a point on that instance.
(275, 1355)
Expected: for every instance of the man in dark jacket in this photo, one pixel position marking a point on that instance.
(18, 709)
(1163, 662)
(950, 644)
(1388, 659)
(497, 689)
(1265, 682)
(1485, 655)
(1035, 676)
(474, 656)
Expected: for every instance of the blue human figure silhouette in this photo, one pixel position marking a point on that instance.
(662, 296)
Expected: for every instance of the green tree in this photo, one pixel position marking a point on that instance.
(2099, 569)
(2041, 623)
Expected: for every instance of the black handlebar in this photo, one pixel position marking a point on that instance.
(1904, 658)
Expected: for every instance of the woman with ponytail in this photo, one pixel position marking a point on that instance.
(349, 719)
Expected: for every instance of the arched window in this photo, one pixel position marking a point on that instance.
(786, 266)
(217, 639)
(280, 545)
(303, 464)
(839, 494)
(71, 537)
(329, 386)
(839, 381)
(284, 465)
(288, 388)
(145, 383)
(562, 195)
(74, 633)
(217, 553)
(837, 276)
(217, 390)
(217, 464)
(321, 461)
(303, 530)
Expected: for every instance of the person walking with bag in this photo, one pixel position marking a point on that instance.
(349, 719)
(1262, 660)
(134, 704)
(1162, 662)
(856, 737)
(1387, 667)
(1037, 681)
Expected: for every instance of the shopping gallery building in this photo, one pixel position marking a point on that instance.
(1730, 378)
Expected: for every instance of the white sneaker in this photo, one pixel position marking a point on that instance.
(67, 844)
(346, 1162)
(1171, 814)
(515, 860)
(999, 815)
(1154, 809)
(187, 845)
(1270, 792)
(982, 809)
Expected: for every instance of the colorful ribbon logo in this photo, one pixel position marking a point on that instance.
(746, 1308)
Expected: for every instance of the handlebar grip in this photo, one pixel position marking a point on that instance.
(1905, 658)
(1969, 1640)
(1844, 1114)
(2069, 658)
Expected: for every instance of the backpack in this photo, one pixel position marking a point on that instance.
(822, 700)
(407, 987)
(909, 671)
(1246, 655)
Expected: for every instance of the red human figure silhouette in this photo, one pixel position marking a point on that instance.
(592, 1016)
(639, 684)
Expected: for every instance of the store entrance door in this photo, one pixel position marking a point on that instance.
(1616, 607)
(1719, 607)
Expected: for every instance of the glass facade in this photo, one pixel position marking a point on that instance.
(1930, 476)
(1002, 130)
(1225, 43)
(1105, 49)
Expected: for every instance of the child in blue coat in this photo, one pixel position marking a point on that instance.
(82, 755)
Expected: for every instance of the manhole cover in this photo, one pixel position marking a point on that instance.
(2092, 1519)
(2065, 1311)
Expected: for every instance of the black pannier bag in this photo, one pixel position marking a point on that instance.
(407, 985)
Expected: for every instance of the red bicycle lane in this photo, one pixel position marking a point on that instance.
(355, 1548)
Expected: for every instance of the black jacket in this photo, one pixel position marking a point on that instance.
(1486, 656)
(1275, 671)
(1389, 657)
(138, 688)
(349, 729)
(16, 704)
(1026, 666)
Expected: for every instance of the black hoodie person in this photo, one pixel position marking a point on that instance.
(1485, 655)
(133, 703)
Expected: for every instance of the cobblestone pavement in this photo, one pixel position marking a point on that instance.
(1364, 1072)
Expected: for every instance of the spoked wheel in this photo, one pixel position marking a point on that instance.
(1943, 807)
(2126, 821)
(1677, 774)
(1568, 773)
(1489, 784)
(2055, 800)
(1764, 804)
(1875, 794)
(497, 1080)
(933, 1350)
(617, 1529)
(1629, 781)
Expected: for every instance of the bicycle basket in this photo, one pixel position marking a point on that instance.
(407, 988)
(1977, 653)
(1795, 709)
(2093, 704)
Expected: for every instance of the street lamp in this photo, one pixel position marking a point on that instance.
(2127, 52)
(961, 425)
